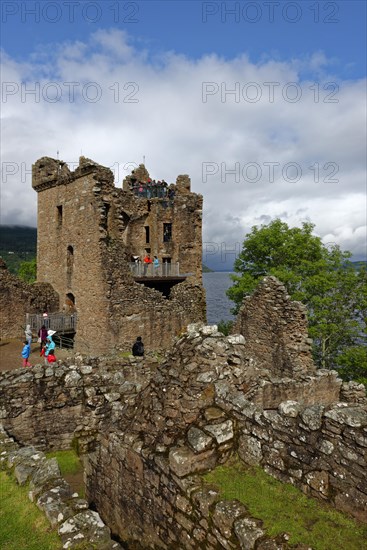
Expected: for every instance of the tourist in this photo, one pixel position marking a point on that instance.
(42, 336)
(136, 264)
(138, 347)
(51, 358)
(28, 335)
(50, 344)
(146, 261)
(155, 265)
(26, 351)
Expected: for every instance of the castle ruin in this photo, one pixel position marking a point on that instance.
(147, 432)
(92, 239)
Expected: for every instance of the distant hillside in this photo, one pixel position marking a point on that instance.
(207, 269)
(358, 265)
(18, 238)
(17, 244)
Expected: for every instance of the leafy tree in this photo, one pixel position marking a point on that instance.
(28, 271)
(352, 364)
(321, 277)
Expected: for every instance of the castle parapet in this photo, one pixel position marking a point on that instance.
(48, 172)
(183, 184)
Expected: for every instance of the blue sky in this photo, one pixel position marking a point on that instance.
(262, 103)
(282, 30)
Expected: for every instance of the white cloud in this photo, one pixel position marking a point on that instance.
(124, 105)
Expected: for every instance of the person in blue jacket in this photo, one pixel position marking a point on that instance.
(50, 344)
(26, 351)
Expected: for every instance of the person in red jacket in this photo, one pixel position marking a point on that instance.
(51, 357)
(147, 260)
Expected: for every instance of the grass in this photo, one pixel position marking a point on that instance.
(22, 524)
(69, 462)
(71, 469)
(284, 509)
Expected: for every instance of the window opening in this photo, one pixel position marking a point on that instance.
(59, 215)
(147, 234)
(167, 232)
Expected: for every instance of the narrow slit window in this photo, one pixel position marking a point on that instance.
(167, 232)
(59, 215)
(147, 234)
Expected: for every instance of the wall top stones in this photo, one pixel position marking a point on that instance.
(48, 172)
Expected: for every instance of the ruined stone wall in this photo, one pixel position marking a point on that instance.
(192, 416)
(18, 298)
(63, 507)
(275, 329)
(136, 310)
(148, 433)
(51, 406)
(321, 450)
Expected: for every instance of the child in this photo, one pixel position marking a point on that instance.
(26, 351)
(50, 345)
(51, 357)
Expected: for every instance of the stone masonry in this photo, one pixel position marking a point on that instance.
(18, 298)
(89, 231)
(64, 509)
(148, 431)
(275, 329)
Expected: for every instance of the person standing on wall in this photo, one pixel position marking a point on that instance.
(138, 348)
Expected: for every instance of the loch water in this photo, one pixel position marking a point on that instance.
(218, 306)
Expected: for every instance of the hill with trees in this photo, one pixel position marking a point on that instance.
(17, 244)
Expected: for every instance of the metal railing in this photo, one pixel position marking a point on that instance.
(153, 191)
(63, 342)
(140, 269)
(61, 322)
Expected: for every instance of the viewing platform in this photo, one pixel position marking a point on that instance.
(153, 190)
(63, 323)
(163, 271)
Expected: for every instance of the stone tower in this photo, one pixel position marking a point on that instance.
(90, 233)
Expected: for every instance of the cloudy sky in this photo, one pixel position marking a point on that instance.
(262, 103)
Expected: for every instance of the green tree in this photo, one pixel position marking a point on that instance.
(352, 364)
(28, 271)
(321, 277)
